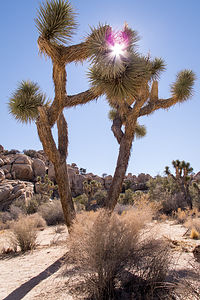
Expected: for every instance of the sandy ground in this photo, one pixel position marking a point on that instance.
(39, 274)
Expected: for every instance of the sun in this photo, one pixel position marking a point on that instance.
(117, 50)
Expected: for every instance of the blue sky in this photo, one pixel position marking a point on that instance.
(168, 29)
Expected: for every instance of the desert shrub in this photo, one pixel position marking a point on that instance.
(121, 208)
(194, 234)
(193, 223)
(100, 197)
(52, 212)
(15, 211)
(126, 198)
(5, 217)
(24, 230)
(166, 191)
(32, 153)
(81, 202)
(32, 206)
(186, 216)
(113, 257)
(12, 151)
(37, 220)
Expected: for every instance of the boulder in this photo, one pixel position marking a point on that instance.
(6, 168)
(22, 172)
(2, 175)
(22, 159)
(1, 162)
(51, 172)
(39, 168)
(12, 190)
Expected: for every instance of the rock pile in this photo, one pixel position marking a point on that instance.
(19, 172)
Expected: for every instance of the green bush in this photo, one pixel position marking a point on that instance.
(127, 198)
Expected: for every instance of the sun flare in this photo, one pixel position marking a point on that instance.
(117, 49)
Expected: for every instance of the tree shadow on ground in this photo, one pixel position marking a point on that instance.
(26, 287)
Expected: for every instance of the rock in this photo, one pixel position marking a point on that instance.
(12, 190)
(1, 162)
(1, 148)
(5, 193)
(8, 176)
(22, 159)
(2, 175)
(196, 253)
(22, 172)
(51, 172)
(6, 168)
(39, 168)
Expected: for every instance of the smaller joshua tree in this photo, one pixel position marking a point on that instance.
(183, 178)
(130, 82)
(90, 187)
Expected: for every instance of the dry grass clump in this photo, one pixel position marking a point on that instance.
(114, 259)
(181, 216)
(24, 233)
(193, 223)
(194, 234)
(52, 212)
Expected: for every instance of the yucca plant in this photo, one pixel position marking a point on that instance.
(130, 82)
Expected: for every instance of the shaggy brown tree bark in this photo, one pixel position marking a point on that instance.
(60, 56)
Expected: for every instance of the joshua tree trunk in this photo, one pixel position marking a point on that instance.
(120, 171)
(58, 158)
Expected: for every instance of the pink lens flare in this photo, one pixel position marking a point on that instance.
(117, 42)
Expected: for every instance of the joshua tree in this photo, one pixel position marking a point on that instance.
(56, 24)
(183, 178)
(129, 81)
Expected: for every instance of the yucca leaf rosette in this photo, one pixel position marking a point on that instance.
(24, 102)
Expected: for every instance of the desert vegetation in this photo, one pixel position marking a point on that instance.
(111, 249)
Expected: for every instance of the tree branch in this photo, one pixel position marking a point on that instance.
(161, 103)
(75, 53)
(116, 128)
(53, 51)
(70, 101)
(45, 135)
(81, 98)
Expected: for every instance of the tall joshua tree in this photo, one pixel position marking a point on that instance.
(55, 23)
(183, 178)
(130, 83)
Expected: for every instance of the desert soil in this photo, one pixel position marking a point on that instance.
(39, 274)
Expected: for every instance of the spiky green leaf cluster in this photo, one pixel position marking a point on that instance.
(182, 89)
(100, 50)
(24, 103)
(140, 131)
(56, 21)
(125, 85)
(112, 114)
(122, 77)
(156, 67)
